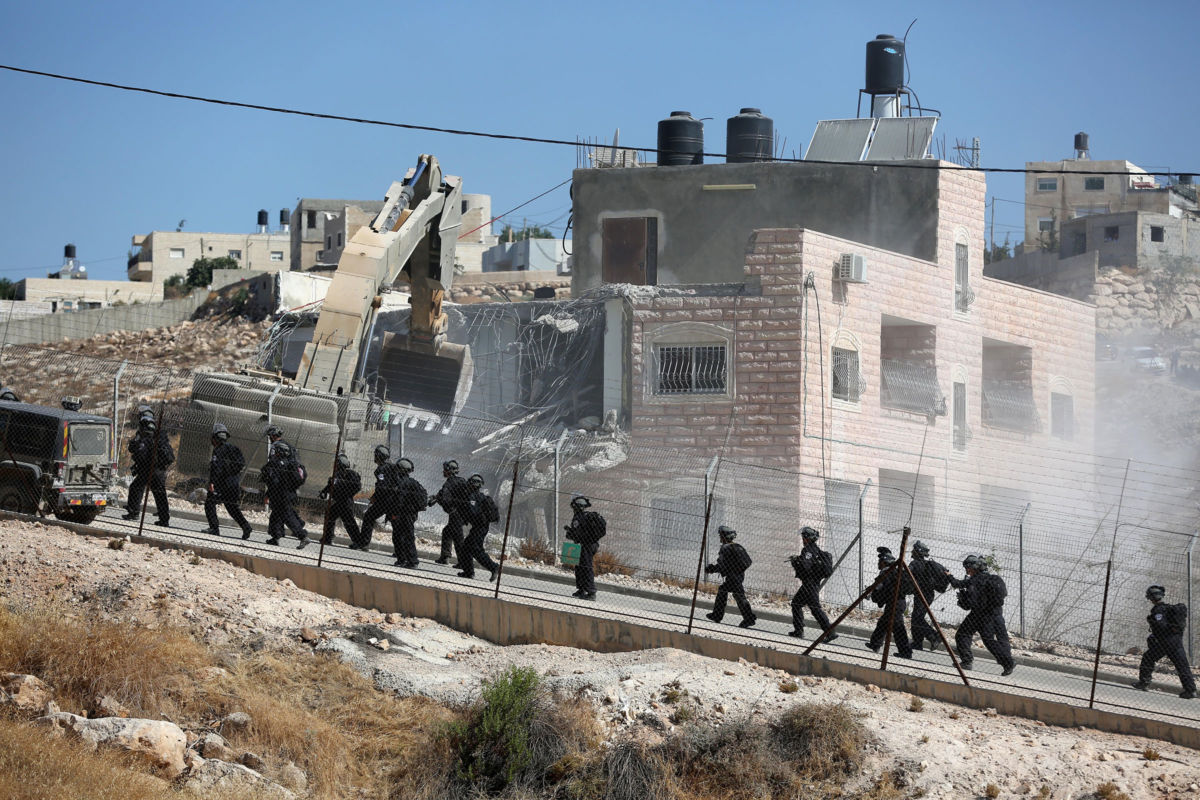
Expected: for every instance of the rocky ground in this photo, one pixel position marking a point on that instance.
(945, 751)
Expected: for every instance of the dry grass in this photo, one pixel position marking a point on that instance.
(1150, 754)
(992, 790)
(608, 562)
(687, 583)
(536, 549)
(789, 687)
(1110, 791)
(916, 705)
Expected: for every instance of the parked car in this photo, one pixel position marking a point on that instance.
(56, 458)
(1147, 359)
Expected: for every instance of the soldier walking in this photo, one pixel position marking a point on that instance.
(282, 478)
(411, 500)
(224, 482)
(481, 513)
(452, 497)
(1167, 623)
(882, 596)
(151, 455)
(586, 528)
(813, 566)
(982, 595)
(932, 578)
(340, 489)
(383, 500)
(732, 563)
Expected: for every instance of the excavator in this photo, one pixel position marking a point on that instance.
(329, 404)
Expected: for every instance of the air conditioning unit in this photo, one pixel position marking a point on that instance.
(852, 268)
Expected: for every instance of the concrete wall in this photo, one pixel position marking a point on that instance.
(51, 328)
(1074, 276)
(542, 255)
(703, 229)
(88, 291)
(1132, 245)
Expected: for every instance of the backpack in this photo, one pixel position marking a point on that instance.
(743, 558)
(490, 512)
(298, 474)
(824, 565)
(598, 524)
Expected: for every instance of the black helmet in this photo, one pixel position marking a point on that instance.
(406, 465)
(726, 533)
(149, 425)
(72, 403)
(886, 558)
(920, 548)
(450, 466)
(476, 480)
(382, 453)
(343, 461)
(220, 432)
(274, 430)
(975, 562)
(1156, 593)
(579, 501)
(8, 394)
(147, 420)
(809, 534)
(281, 450)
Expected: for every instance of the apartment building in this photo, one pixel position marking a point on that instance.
(162, 254)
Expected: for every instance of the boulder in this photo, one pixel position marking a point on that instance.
(219, 777)
(293, 778)
(105, 706)
(237, 721)
(26, 692)
(162, 743)
(213, 745)
(252, 760)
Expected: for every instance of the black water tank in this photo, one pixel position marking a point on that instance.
(680, 140)
(1081, 141)
(263, 217)
(69, 251)
(749, 137)
(285, 217)
(885, 65)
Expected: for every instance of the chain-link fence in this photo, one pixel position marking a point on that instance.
(1070, 616)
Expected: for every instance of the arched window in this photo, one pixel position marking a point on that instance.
(847, 382)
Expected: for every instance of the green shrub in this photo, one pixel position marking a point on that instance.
(492, 746)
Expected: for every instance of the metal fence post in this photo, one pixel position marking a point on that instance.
(1191, 601)
(112, 450)
(1100, 638)
(1021, 564)
(508, 516)
(861, 495)
(562, 437)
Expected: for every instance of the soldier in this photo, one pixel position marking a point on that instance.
(72, 403)
(411, 500)
(340, 489)
(732, 563)
(481, 513)
(383, 499)
(8, 394)
(813, 567)
(587, 528)
(280, 474)
(982, 595)
(452, 497)
(932, 578)
(275, 434)
(224, 485)
(882, 596)
(1167, 623)
(151, 454)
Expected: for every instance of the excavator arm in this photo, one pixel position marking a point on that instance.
(411, 239)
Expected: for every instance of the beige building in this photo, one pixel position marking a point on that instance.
(162, 254)
(77, 295)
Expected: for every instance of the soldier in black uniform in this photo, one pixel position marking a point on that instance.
(982, 595)
(340, 489)
(481, 513)
(452, 497)
(383, 499)
(732, 563)
(8, 394)
(151, 455)
(282, 479)
(882, 597)
(813, 567)
(411, 500)
(1167, 623)
(224, 485)
(586, 528)
(932, 578)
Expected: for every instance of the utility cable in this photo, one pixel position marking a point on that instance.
(919, 164)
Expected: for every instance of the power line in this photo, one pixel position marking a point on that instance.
(540, 139)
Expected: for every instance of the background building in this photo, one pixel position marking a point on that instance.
(162, 254)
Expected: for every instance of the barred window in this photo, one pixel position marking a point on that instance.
(963, 296)
(847, 382)
(690, 369)
(909, 386)
(1009, 404)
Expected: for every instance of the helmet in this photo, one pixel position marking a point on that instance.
(406, 465)
(72, 403)
(281, 450)
(726, 533)
(579, 501)
(8, 394)
(220, 432)
(809, 534)
(920, 548)
(146, 420)
(1156, 593)
(274, 430)
(382, 453)
(476, 480)
(975, 562)
(149, 426)
(886, 559)
(343, 461)
(450, 467)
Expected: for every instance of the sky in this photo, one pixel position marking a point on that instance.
(95, 166)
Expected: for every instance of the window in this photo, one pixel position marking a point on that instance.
(630, 250)
(1007, 389)
(963, 296)
(690, 369)
(339, 240)
(176, 252)
(235, 254)
(1112, 233)
(847, 382)
(1047, 184)
(310, 219)
(1087, 211)
(1062, 416)
(908, 368)
(277, 255)
(961, 433)
(1093, 184)
(1045, 224)
(1156, 233)
(1079, 243)
(328, 242)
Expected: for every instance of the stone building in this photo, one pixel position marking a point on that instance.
(162, 254)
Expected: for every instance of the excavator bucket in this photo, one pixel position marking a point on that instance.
(432, 381)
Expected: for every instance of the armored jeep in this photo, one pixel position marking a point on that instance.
(55, 459)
